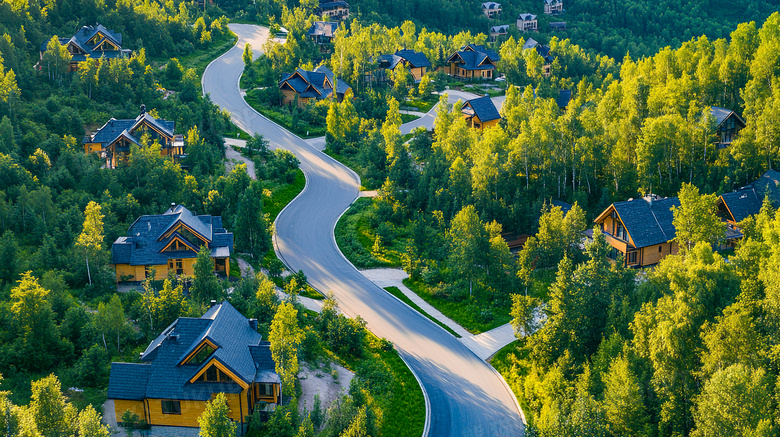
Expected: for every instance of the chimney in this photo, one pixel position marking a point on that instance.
(213, 302)
(173, 206)
(143, 109)
(253, 324)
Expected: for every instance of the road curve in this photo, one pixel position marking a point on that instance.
(467, 397)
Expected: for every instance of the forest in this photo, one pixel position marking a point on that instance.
(687, 348)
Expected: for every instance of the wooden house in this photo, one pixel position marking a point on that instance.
(526, 22)
(112, 141)
(310, 86)
(728, 125)
(481, 113)
(191, 361)
(491, 9)
(544, 52)
(473, 62)
(553, 7)
(170, 242)
(416, 62)
(323, 32)
(640, 230)
(747, 201)
(498, 33)
(335, 10)
(95, 42)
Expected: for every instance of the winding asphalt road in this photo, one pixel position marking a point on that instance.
(466, 396)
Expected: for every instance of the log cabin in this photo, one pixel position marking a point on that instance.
(480, 113)
(170, 242)
(544, 52)
(473, 62)
(112, 141)
(191, 361)
(640, 230)
(416, 62)
(310, 86)
(95, 42)
(728, 124)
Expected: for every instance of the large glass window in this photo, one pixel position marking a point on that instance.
(171, 407)
(201, 355)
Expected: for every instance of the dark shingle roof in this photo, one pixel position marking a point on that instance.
(748, 200)
(483, 108)
(145, 239)
(239, 349)
(81, 38)
(114, 128)
(491, 5)
(649, 222)
(565, 207)
(416, 59)
(311, 83)
(721, 114)
(526, 17)
(128, 381)
(327, 5)
(504, 28)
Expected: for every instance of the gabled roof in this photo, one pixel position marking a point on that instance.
(239, 349)
(415, 59)
(530, 43)
(504, 28)
(565, 207)
(748, 200)
(88, 38)
(316, 84)
(323, 28)
(648, 220)
(327, 5)
(721, 114)
(114, 129)
(491, 5)
(526, 17)
(552, 2)
(483, 108)
(475, 57)
(150, 234)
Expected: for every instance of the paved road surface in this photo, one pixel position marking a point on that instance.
(467, 397)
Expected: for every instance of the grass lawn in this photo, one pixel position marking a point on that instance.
(200, 59)
(421, 105)
(513, 363)
(399, 294)
(282, 117)
(356, 238)
(406, 118)
(281, 196)
(464, 313)
(234, 132)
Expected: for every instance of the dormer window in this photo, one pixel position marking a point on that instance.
(202, 355)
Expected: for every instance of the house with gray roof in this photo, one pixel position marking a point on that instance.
(728, 124)
(553, 7)
(498, 33)
(170, 242)
(526, 22)
(310, 86)
(191, 361)
(491, 9)
(543, 51)
(113, 140)
(473, 62)
(94, 42)
(480, 113)
(640, 230)
(323, 32)
(416, 62)
(747, 201)
(335, 10)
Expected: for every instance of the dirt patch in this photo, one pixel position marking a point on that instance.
(329, 381)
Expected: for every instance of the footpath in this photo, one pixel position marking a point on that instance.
(483, 345)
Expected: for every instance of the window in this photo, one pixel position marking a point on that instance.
(171, 407)
(265, 390)
(659, 249)
(621, 231)
(201, 355)
(179, 267)
(211, 374)
(632, 257)
(147, 272)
